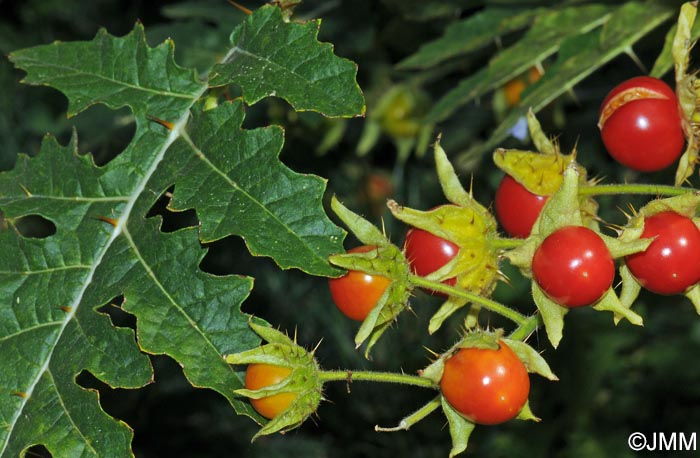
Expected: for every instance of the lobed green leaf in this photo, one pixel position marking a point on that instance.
(270, 57)
(235, 181)
(105, 250)
(115, 71)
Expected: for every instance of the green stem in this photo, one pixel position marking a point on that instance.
(487, 303)
(414, 418)
(529, 326)
(369, 376)
(635, 188)
(505, 243)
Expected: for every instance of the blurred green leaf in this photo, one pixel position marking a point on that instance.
(469, 34)
(542, 40)
(208, 10)
(204, 42)
(664, 63)
(423, 10)
(579, 56)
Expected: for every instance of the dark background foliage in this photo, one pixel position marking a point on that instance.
(614, 380)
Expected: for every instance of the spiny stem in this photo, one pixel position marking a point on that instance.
(485, 302)
(634, 188)
(529, 326)
(370, 376)
(413, 418)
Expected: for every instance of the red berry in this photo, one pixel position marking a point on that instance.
(573, 266)
(671, 264)
(640, 124)
(427, 252)
(486, 386)
(517, 208)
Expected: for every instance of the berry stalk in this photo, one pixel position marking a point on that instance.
(487, 303)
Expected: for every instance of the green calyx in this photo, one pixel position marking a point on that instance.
(542, 172)
(386, 260)
(476, 338)
(467, 224)
(304, 380)
(491, 340)
(564, 209)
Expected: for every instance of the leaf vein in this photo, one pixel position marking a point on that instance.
(32, 328)
(70, 418)
(165, 292)
(77, 73)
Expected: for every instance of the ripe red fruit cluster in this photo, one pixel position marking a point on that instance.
(641, 127)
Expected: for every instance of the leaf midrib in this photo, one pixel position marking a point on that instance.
(175, 133)
(65, 74)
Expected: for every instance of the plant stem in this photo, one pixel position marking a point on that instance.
(413, 418)
(635, 188)
(529, 326)
(383, 377)
(505, 243)
(487, 303)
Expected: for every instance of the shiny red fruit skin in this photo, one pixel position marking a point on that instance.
(517, 208)
(671, 264)
(427, 252)
(356, 293)
(486, 386)
(573, 266)
(645, 133)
